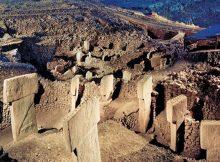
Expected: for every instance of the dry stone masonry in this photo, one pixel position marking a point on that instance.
(192, 148)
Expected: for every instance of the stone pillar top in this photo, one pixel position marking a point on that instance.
(19, 87)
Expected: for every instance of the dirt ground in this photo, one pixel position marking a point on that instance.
(117, 143)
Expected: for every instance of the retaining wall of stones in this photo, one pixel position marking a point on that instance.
(192, 138)
(172, 90)
(53, 95)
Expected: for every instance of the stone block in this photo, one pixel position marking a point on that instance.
(18, 87)
(176, 109)
(156, 62)
(210, 134)
(89, 75)
(107, 87)
(79, 56)
(23, 118)
(126, 76)
(86, 45)
(78, 123)
(145, 87)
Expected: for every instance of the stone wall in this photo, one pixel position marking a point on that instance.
(192, 139)
(128, 90)
(210, 56)
(211, 105)
(53, 95)
(5, 120)
(162, 129)
(172, 89)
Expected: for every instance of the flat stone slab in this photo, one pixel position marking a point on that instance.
(145, 87)
(176, 109)
(89, 149)
(23, 118)
(213, 155)
(78, 123)
(173, 141)
(210, 134)
(144, 90)
(19, 87)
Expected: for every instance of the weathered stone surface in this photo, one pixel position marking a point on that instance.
(126, 76)
(107, 87)
(18, 87)
(213, 154)
(145, 87)
(176, 108)
(144, 90)
(210, 134)
(156, 63)
(79, 56)
(74, 90)
(173, 141)
(88, 75)
(23, 118)
(89, 149)
(81, 132)
(86, 46)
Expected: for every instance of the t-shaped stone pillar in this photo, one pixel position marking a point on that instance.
(144, 90)
(210, 139)
(81, 132)
(19, 92)
(176, 109)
